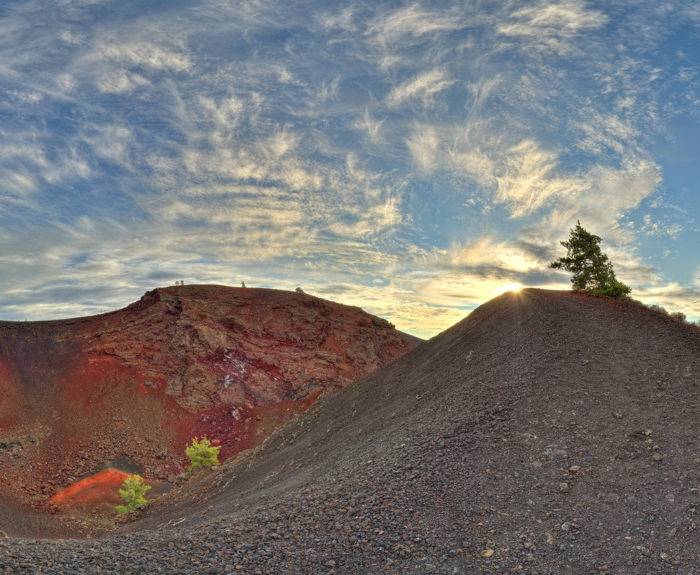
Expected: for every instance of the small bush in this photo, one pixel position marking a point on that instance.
(133, 494)
(614, 289)
(677, 315)
(680, 316)
(202, 454)
(658, 308)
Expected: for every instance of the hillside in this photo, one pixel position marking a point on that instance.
(130, 388)
(548, 433)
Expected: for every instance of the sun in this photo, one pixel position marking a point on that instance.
(514, 287)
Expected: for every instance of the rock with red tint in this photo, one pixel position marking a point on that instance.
(230, 364)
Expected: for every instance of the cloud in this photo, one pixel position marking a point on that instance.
(424, 146)
(280, 144)
(26, 166)
(370, 126)
(368, 221)
(143, 54)
(601, 134)
(490, 252)
(551, 25)
(476, 164)
(329, 89)
(111, 143)
(413, 22)
(17, 183)
(656, 228)
(524, 177)
(224, 114)
(120, 82)
(423, 87)
(343, 20)
(481, 91)
(529, 178)
(693, 13)
(610, 192)
(71, 37)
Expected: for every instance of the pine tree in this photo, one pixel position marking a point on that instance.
(202, 454)
(591, 268)
(133, 494)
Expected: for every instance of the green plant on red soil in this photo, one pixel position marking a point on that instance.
(592, 270)
(202, 454)
(133, 493)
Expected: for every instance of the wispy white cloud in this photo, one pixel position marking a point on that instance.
(25, 166)
(120, 82)
(143, 55)
(692, 12)
(601, 134)
(413, 21)
(609, 193)
(551, 25)
(343, 20)
(529, 178)
(370, 126)
(424, 144)
(491, 252)
(112, 143)
(657, 228)
(424, 87)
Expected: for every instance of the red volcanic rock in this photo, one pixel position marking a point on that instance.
(230, 364)
(101, 488)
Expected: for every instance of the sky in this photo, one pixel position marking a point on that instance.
(415, 159)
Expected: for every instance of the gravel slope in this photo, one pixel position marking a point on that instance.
(547, 433)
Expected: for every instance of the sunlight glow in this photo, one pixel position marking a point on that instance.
(514, 287)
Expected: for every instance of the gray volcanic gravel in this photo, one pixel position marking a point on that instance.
(548, 433)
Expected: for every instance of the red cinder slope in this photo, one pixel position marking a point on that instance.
(101, 488)
(138, 383)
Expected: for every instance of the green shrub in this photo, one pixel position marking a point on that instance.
(133, 493)
(614, 288)
(202, 454)
(677, 315)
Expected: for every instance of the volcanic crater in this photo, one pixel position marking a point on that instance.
(87, 401)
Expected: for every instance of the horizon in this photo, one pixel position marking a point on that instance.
(247, 287)
(516, 290)
(411, 160)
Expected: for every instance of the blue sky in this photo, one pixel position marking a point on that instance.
(415, 159)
